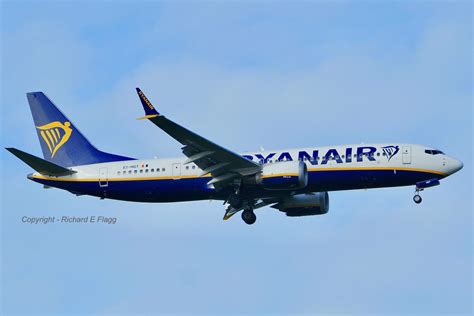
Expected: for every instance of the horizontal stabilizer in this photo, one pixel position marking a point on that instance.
(42, 166)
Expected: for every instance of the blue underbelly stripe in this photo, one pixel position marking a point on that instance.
(186, 189)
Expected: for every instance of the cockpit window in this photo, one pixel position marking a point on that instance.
(434, 152)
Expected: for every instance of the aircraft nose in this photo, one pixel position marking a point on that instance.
(455, 165)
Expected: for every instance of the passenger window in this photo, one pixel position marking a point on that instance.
(118, 172)
(152, 170)
(135, 171)
(194, 167)
(129, 171)
(378, 154)
(146, 170)
(162, 169)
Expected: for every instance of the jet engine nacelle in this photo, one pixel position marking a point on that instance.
(305, 204)
(283, 175)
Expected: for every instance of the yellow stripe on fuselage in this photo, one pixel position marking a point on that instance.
(378, 168)
(206, 176)
(116, 179)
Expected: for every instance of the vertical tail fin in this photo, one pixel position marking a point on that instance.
(62, 143)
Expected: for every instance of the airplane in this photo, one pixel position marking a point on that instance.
(294, 181)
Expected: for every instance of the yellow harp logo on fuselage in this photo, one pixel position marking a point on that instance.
(55, 134)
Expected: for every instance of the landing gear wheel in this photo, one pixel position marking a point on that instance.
(417, 199)
(235, 201)
(249, 217)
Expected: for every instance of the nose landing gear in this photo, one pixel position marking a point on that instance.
(417, 197)
(420, 186)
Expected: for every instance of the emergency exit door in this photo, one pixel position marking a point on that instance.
(176, 169)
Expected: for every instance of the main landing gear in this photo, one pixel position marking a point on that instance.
(235, 200)
(236, 204)
(249, 216)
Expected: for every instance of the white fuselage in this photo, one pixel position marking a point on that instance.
(410, 157)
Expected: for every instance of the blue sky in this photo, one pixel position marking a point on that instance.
(244, 74)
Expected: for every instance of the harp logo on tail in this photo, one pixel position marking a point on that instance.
(390, 151)
(55, 134)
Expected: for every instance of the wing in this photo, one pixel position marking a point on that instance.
(222, 164)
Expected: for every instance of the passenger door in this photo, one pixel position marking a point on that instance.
(103, 178)
(406, 154)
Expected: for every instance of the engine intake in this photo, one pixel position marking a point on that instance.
(304, 204)
(284, 175)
